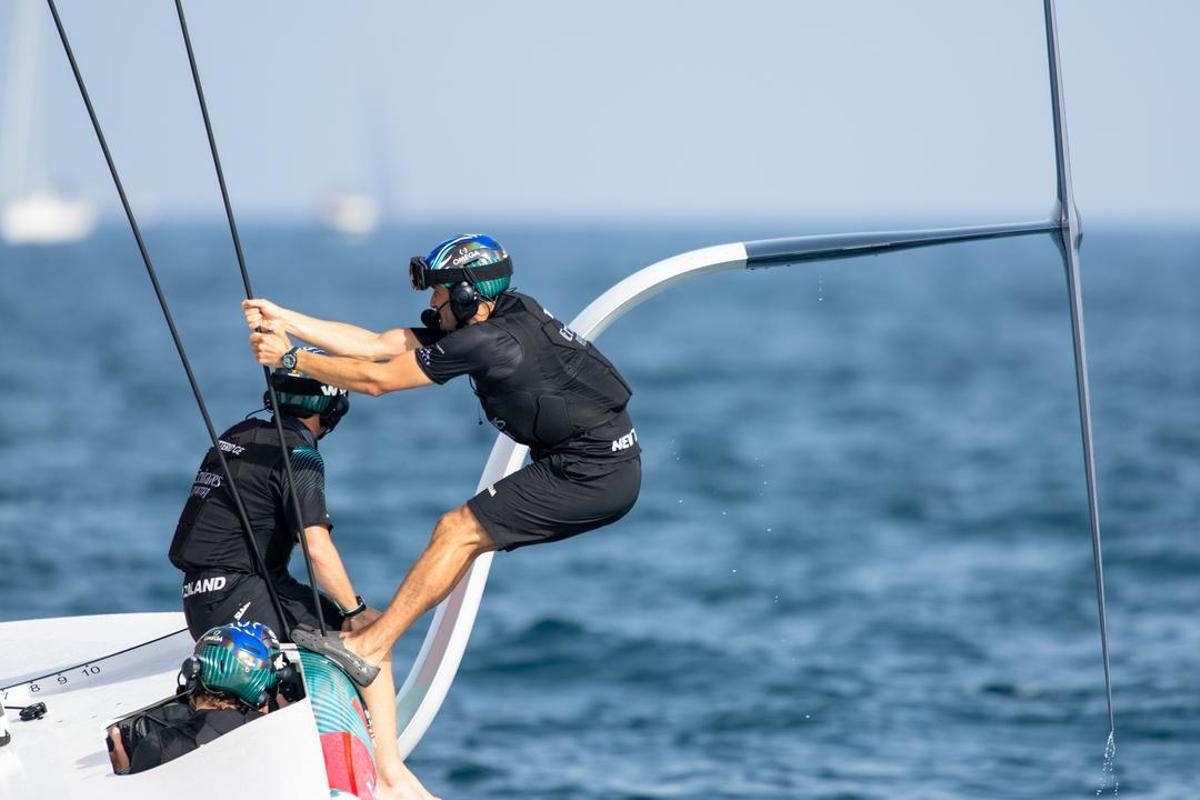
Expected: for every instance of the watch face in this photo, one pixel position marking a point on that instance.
(289, 360)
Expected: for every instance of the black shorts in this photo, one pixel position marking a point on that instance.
(556, 497)
(214, 598)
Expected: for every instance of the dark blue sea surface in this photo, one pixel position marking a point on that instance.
(860, 566)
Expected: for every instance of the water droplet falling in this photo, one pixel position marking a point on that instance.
(1108, 773)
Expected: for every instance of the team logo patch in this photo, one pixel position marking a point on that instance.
(625, 442)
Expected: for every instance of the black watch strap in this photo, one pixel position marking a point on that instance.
(354, 612)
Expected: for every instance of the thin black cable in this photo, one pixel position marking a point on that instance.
(166, 310)
(237, 246)
(96, 660)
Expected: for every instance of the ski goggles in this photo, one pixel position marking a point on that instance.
(423, 277)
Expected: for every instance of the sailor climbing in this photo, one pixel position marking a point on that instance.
(538, 382)
(221, 584)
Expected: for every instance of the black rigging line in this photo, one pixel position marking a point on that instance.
(166, 310)
(241, 259)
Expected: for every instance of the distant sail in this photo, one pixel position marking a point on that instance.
(350, 214)
(46, 218)
(33, 212)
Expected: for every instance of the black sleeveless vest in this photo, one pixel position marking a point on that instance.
(563, 386)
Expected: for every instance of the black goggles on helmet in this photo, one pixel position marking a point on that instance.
(423, 277)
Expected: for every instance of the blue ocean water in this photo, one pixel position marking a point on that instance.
(860, 567)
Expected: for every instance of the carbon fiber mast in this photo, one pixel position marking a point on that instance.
(1070, 232)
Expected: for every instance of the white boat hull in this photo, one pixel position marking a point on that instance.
(76, 666)
(46, 219)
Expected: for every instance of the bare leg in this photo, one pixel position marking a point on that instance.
(381, 704)
(457, 540)
(395, 779)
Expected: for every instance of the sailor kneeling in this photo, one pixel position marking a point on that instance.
(227, 681)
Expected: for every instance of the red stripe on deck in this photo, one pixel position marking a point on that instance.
(348, 764)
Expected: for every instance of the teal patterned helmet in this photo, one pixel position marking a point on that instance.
(237, 661)
(302, 396)
(469, 251)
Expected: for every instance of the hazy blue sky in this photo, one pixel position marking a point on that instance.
(782, 110)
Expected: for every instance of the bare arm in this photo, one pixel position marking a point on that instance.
(367, 377)
(338, 338)
(328, 568)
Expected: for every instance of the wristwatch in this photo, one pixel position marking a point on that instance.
(354, 612)
(289, 359)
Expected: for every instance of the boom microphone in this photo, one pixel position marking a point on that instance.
(429, 318)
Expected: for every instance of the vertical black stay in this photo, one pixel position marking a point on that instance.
(166, 310)
(237, 246)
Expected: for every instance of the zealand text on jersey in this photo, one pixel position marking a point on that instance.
(204, 585)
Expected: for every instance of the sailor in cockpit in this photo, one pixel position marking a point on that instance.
(228, 681)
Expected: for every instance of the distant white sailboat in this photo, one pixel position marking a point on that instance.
(350, 214)
(46, 218)
(33, 212)
(359, 211)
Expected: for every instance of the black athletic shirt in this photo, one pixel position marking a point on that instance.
(487, 352)
(209, 535)
(179, 737)
(475, 350)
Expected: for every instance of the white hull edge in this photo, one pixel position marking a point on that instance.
(84, 673)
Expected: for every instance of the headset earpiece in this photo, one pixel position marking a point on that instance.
(289, 683)
(189, 674)
(337, 409)
(464, 301)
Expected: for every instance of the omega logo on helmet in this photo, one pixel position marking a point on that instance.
(463, 258)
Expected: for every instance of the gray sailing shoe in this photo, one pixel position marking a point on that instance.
(331, 646)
